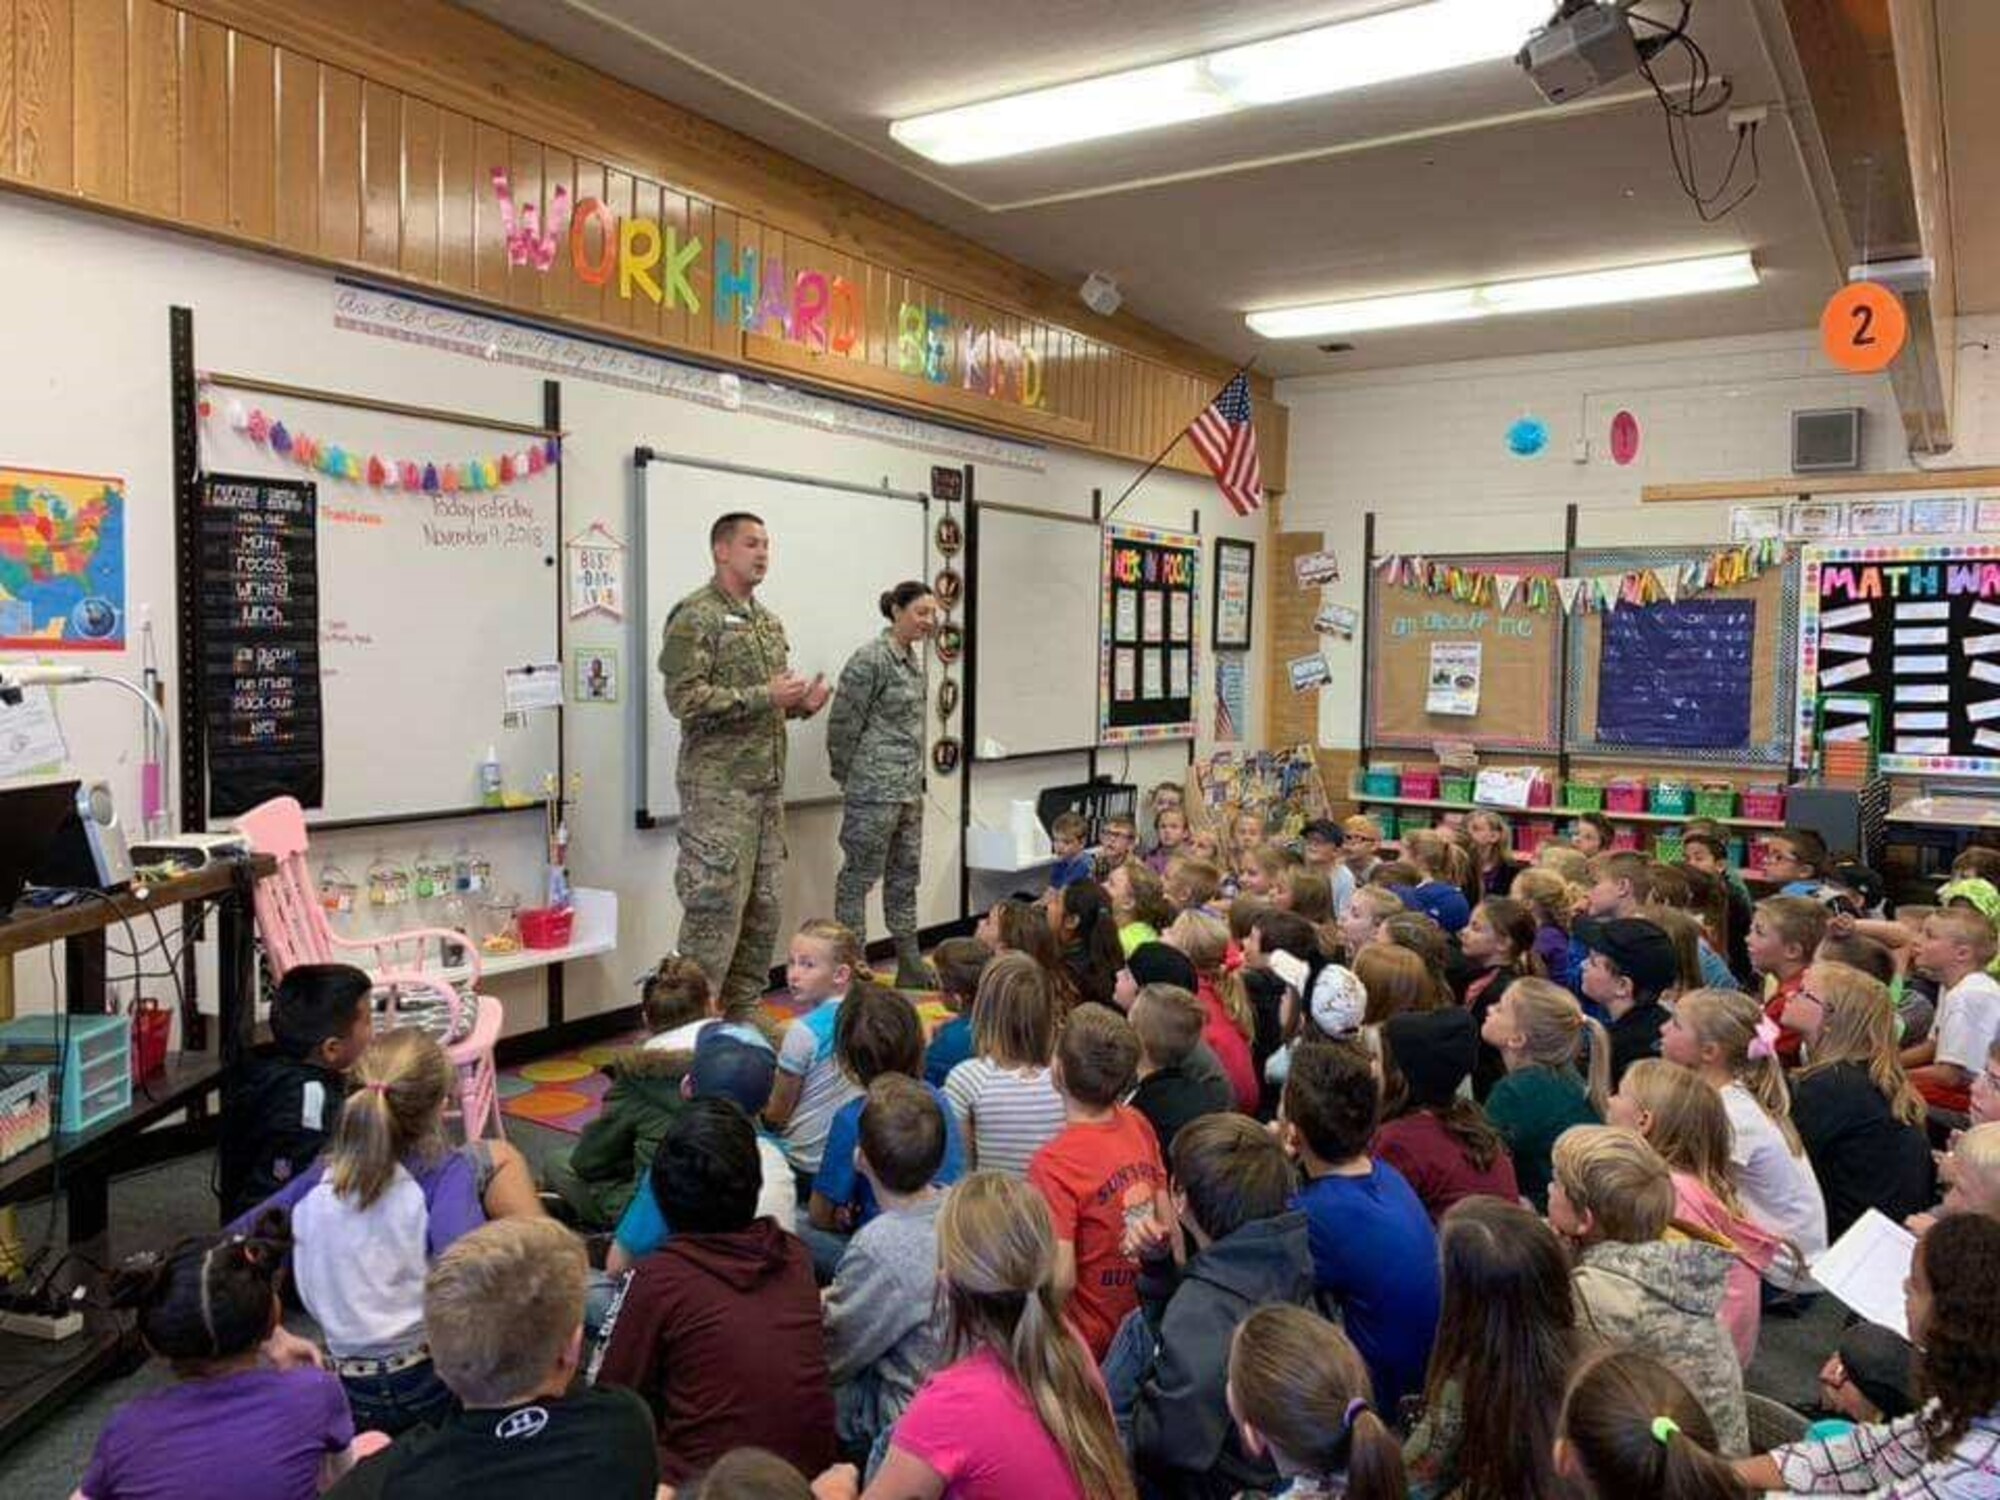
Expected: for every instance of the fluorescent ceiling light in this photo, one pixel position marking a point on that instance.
(1430, 37)
(1677, 278)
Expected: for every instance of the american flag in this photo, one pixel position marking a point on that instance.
(1227, 443)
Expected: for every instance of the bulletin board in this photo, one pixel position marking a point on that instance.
(1917, 628)
(1707, 679)
(1149, 656)
(1520, 661)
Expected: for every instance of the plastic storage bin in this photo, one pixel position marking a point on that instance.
(548, 926)
(1715, 800)
(1582, 796)
(1673, 799)
(1625, 794)
(90, 1058)
(1531, 833)
(1667, 846)
(1455, 788)
(1541, 792)
(26, 1115)
(1421, 785)
(1380, 781)
(1623, 839)
(1764, 802)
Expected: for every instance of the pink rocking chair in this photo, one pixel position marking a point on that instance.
(292, 923)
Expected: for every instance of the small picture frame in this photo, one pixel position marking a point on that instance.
(1235, 593)
(594, 674)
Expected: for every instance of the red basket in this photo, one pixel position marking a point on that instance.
(1625, 794)
(1531, 833)
(1764, 804)
(152, 1026)
(547, 926)
(1625, 840)
(1541, 792)
(1420, 786)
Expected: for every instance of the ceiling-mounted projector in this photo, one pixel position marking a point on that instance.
(1586, 45)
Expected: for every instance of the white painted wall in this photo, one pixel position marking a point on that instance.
(84, 300)
(1424, 449)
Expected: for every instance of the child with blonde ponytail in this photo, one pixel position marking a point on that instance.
(384, 1199)
(1299, 1393)
(1728, 1041)
(1021, 1410)
(1538, 1026)
(1553, 901)
(1232, 1022)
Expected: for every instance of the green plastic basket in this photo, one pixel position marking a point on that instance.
(1581, 796)
(1455, 789)
(1715, 802)
(1667, 846)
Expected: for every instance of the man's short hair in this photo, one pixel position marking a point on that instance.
(724, 529)
(1233, 1172)
(500, 1307)
(1099, 1053)
(902, 1133)
(316, 1002)
(1124, 822)
(1168, 1021)
(707, 1174)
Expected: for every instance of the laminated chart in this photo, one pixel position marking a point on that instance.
(1916, 629)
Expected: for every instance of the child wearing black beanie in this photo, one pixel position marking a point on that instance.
(1432, 1132)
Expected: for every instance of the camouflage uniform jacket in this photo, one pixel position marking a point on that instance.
(717, 658)
(875, 734)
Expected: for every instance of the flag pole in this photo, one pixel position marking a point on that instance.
(1146, 473)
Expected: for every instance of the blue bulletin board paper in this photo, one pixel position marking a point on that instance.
(1677, 676)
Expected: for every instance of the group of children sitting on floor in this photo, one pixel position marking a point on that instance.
(1295, 1172)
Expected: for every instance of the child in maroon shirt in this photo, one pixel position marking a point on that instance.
(1438, 1140)
(719, 1329)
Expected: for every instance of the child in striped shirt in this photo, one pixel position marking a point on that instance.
(1004, 1097)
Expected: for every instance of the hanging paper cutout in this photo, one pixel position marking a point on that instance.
(1624, 438)
(1505, 585)
(1569, 589)
(1527, 437)
(428, 476)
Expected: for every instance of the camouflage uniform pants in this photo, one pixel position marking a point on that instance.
(881, 841)
(730, 880)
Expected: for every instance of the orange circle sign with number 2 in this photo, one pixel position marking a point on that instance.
(1864, 327)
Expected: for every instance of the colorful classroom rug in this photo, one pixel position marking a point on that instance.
(565, 1090)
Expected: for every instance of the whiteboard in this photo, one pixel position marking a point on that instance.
(1035, 627)
(425, 600)
(834, 549)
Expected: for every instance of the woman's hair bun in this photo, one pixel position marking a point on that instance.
(902, 596)
(887, 603)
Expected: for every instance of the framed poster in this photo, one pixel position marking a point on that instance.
(1144, 695)
(1235, 593)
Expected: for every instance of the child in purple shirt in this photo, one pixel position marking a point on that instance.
(251, 1417)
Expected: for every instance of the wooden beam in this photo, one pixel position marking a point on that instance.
(1862, 68)
(1802, 486)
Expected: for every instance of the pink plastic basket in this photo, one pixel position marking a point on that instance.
(1542, 793)
(1623, 839)
(1625, 794)
(1764, 804)
(1422, 785)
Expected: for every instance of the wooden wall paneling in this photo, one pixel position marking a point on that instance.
(296, 164)
(8, 35)
(617, 194)
(253, 136)
(701, 275)
(422, 145)
(558, 170)
(153, 108)
(339, 164)
(99, 39)
(381, 176)
(205, 123)
(647, 317)
(44, 71)
(676, 322)
(587, 301)
(489, 265)
(526, 285)
(457, 201)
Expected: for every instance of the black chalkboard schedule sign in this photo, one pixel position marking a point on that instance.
(260, 689)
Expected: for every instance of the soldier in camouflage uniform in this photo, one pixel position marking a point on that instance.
(875, 739)
(724, 665)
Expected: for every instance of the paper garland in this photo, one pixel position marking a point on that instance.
(428, 476)
(1606, 591)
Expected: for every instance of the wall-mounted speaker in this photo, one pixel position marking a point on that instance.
(1826, 441)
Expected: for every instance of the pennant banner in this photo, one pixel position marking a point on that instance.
(1667, 584)
(428, 476)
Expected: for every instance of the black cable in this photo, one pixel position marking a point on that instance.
(1703, 96)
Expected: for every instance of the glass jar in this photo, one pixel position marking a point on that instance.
(337, 891)
(499, 923)
(433, 878)
(388, 883)
(472, 873)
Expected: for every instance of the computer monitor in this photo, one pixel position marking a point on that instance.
(34, 845)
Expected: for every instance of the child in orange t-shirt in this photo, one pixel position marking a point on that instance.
(1784, 934)
(1100, 1175)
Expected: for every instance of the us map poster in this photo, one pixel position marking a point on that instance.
(62, 561)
